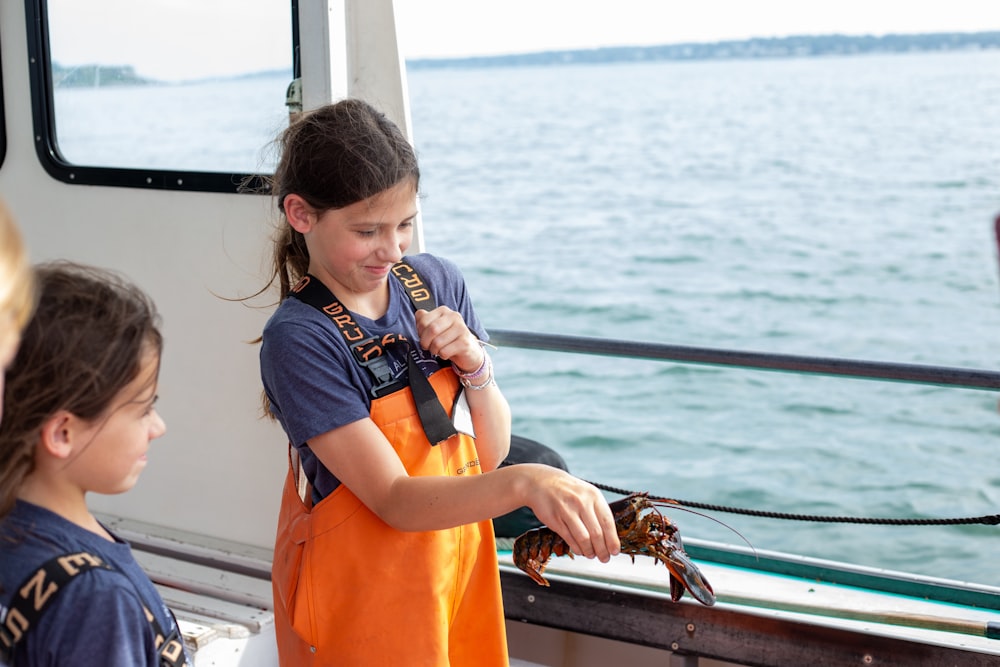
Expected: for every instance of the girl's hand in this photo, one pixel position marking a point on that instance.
(444, 333)
(574, 509)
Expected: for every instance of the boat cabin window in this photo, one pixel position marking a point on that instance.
(150, 94)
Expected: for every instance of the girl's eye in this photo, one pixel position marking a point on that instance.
(366, 232)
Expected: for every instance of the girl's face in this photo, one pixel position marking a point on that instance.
(352, 249)
(115, 444)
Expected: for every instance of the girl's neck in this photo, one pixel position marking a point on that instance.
(70, 504)
(372, 305)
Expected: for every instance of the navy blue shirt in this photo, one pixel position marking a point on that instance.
(97, 618)
(310, 376)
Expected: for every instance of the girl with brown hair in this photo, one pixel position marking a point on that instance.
(78, 418)
(385, 552)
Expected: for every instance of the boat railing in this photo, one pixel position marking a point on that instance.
(828, 571)
(209, 553)
(969, 378)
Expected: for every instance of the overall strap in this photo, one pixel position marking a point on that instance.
(420, 296)
(423, 394)
(37, 591)
(370, 352)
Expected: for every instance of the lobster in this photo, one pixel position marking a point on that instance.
(642, 530)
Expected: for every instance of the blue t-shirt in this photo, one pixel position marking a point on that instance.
(310, 376)
(97, 619)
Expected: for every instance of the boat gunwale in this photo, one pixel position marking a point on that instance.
(730, 632)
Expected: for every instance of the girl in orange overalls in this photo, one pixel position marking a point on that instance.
(384, 552)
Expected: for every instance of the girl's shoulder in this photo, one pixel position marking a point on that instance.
(31, 535)
(429, 266)
(295, 320)
(96, 617)
(293, 310)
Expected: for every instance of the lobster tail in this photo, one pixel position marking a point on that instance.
(534, 548)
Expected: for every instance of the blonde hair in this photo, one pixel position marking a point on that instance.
(17, 294)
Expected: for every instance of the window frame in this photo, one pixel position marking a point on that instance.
(42, 107)
(3, 117)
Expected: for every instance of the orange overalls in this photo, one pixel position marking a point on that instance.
(350, 590)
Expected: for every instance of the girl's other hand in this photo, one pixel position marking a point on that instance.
(444, 333)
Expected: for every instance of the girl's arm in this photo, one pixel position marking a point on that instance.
(491, 420)
(362, 459)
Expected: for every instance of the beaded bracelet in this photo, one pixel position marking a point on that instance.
(471, 380)
(479, 372)
(489, 382)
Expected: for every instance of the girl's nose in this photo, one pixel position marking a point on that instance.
(158, 427)
(391, 248)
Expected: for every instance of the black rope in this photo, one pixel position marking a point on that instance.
(988, 520)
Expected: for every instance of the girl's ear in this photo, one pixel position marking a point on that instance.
(300, 215)
(57, 435)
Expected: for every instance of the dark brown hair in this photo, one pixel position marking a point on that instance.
(332, 157)
(85, 342)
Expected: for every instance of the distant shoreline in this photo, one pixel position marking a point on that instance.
(798, 46)
(802, 46)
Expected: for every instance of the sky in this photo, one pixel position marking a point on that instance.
(171, 39)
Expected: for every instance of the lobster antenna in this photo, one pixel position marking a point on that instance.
(677, 505)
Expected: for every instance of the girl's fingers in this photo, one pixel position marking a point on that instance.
(592, 533)
(444, 333)
(610, 531)
(573, 539)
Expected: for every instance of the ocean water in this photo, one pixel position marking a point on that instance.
(837, 207)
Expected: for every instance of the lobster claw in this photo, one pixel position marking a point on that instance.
(684, 574)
